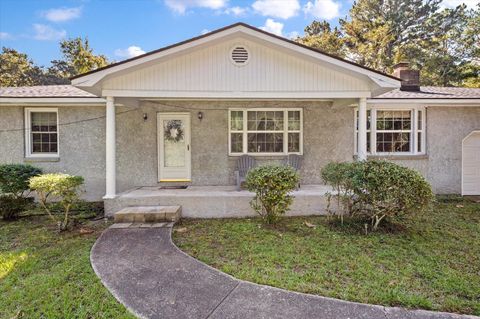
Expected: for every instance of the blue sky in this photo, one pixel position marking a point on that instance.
(125, 28)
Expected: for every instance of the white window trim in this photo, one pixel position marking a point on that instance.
(414, 129)
(245, 131)
(28, 129)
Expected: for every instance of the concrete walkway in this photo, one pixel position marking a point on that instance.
(146, 272)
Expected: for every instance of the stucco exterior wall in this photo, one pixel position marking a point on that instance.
(81, 145)
(211, 165)
(328, 136)
(446, 128)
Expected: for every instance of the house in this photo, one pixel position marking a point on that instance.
(183, 114)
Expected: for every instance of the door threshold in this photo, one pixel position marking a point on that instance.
(175, 180)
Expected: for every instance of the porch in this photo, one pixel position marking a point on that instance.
(214, 201)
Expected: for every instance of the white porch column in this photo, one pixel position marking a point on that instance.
(110, 164)
(362, 129)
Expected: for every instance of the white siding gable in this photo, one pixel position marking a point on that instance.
(209, 69)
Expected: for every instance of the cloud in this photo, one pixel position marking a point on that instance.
(204, 31)
(273, 27)
(180, 6)
(454, 3)
(62, 14)
(322, 9)
(130, 52)
(236, 11)
(47, 33)
(292, 35)
(282, 9)
(5, 36)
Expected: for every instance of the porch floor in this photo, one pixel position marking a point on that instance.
(215, 201)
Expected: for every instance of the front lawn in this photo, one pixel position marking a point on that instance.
(432, 264)
(48, 275)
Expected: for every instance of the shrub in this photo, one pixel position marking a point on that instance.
(338, 175)
(378, 190)
(272, 185)
(11, 206)
(14, 187)
(63, 187)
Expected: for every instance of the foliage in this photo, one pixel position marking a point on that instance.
(11, 206)
(78, 58)
(443, 43)
(377, 190)
(272, 185)
(337, 175)
(16, 69)
(14, 178)
(63, 187)
(14, 188)
(432, 264)
(320, 35)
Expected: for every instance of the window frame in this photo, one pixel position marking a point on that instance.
(245, 131)
(28, 131)
(414, 131)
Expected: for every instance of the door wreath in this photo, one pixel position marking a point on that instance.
(173, 131)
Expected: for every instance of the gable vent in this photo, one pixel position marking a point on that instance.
(239, 55)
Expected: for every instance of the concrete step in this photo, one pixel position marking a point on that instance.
(148, 214)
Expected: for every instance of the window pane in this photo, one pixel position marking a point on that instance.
(236, 140)
(293, 120)
(419, 142)
(393, 142)
(419, 121)
(265, 142)
(394, 120)
(236, 120)
(265, 120)
(369, 120)
(44, 121)
(293, 142)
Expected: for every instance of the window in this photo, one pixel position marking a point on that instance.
(394, 131)
(265, 131)
(41, 132)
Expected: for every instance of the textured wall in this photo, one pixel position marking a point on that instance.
(446, 128)
(328, 136)
(81, 145)
(211, 165)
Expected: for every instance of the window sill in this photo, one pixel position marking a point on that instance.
(399, 157)
(34, 159)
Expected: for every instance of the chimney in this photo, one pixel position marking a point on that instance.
(410, 78)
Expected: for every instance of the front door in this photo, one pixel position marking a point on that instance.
(174, 157)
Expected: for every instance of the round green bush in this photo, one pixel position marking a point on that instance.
(14, 178)
(379, 190)
(272, 185)
(14, 188)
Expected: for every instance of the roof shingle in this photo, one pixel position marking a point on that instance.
(433, 92)
(44, 91)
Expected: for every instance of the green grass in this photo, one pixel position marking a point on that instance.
(432, 263)
(44, 274)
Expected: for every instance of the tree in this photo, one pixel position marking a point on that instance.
(78, 58)
(16, 69)
(378, 29)
(320, 35)
(446, 48)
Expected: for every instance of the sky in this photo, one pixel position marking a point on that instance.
(122, 29)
